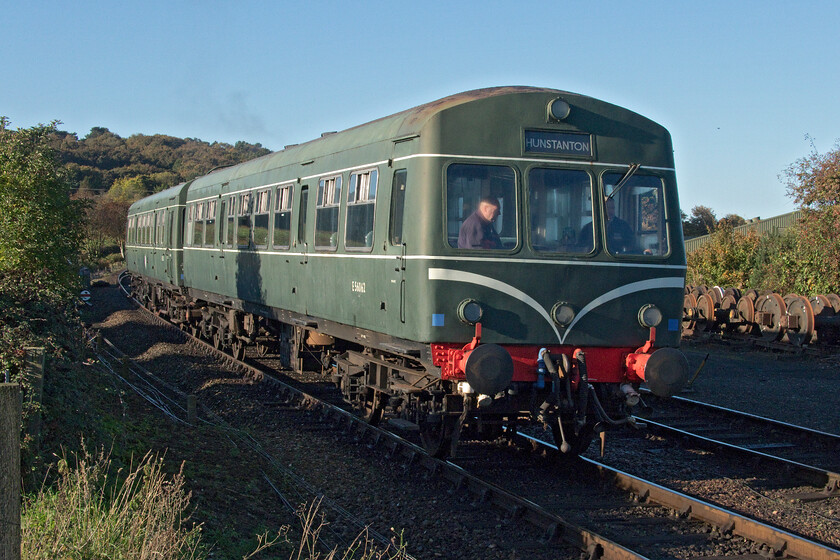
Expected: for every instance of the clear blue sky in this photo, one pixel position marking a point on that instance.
(738, 84)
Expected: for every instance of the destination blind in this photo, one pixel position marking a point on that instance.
(558, 143)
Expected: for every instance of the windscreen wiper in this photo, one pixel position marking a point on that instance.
(630, 172)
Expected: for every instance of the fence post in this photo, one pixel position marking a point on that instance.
(10, 419)
(35, 360)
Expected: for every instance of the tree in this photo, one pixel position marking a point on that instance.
(129, 189)
(702, 222)
(732, 220)
(40, 227)
(814, 183)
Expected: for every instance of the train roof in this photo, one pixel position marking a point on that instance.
(409, 123)
(162, 199)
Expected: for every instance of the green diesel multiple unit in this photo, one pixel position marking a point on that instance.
(503, 255)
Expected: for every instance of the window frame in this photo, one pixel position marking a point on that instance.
(244, 206)
(263, 194)
(517, 188)
(323, 190)
(354, 189)
(288, 197)
(595, 216)
(210, 210)
(664, 206)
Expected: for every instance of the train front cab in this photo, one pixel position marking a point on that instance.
(582, 284)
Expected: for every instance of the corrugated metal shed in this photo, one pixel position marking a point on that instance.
(777, 224)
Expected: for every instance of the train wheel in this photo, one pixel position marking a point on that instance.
(689, 318)
(262, 350)
(746, 315)
(825, 334)
(729, 304)
(770, 308)
(578, 443)
(706, 313)
(237, 349)
(436, 434)
(372, 408)
(835, 302)
(800, 308)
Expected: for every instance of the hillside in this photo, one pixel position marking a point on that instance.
(100, 158)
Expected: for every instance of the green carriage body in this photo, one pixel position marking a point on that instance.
(410, 288)
(154, 240)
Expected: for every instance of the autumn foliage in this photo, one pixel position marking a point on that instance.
(805, 259)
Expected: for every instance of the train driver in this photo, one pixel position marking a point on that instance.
(620, 236)
(478, 231)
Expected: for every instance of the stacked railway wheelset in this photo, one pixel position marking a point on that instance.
(492, 259)
(768, 317)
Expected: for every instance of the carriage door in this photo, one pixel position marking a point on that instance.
(396, 241)
(167, 243)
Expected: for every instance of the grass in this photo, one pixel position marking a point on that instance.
(93, 511)
(90, 512)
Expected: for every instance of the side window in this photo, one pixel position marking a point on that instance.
(261, 209)
(128, 230)
(198, 225)
(282, 216)
(304, 205)
(560, 201)
(635, 215)
(481, 206)
(243, 225)
(222, 219)
(167, 217)
(231, 222)
(161, 233)
(361, 205)
(209, 222)
(326, 214)
(397, 207)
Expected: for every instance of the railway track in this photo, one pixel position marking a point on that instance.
(812, 456)
(644, 529)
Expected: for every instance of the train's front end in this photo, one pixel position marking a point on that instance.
(558, 289)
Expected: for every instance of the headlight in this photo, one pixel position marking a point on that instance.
(649, 316)
(563, 314)
(559, 109)
(470, 311)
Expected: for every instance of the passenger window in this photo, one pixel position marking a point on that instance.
(198, 225)
(397, 207)
(326, 214)
(361, 205)
(261, 210)
(243, 226)
(231, 222)
(481, 206)
(304, 203)
(560, 202)
(223, 215)
(282, 216)
(209, 222)
(635, 215)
